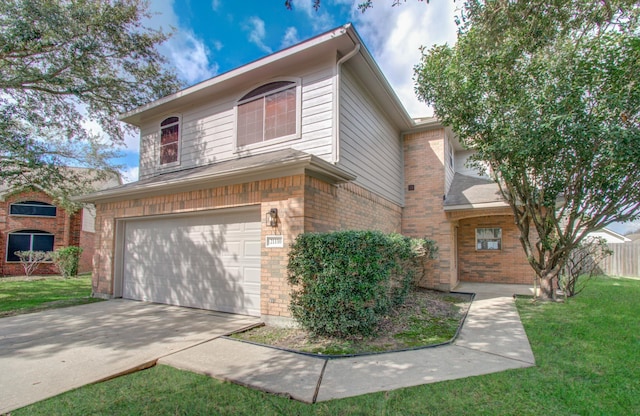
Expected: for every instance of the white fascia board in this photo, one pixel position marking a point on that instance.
(476, 206)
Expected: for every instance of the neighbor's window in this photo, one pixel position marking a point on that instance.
(266, 113)
(28, 240)
(169, 140)
(34, 208)
(488, 239)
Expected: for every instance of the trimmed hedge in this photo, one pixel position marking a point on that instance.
(345, 281)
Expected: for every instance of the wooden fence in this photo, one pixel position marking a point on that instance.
(625, 260)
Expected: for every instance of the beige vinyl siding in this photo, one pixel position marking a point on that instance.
(208, 129)
(370, 147)
(461, 164)
(450, 168)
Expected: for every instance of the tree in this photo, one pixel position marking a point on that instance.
(366, 4)
(547, 93)
(66, 67)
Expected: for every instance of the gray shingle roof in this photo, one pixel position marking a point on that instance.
(469, 191)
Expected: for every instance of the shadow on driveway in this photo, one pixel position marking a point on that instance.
(47, 353)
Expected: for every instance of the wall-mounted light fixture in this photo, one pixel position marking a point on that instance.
(271, 218)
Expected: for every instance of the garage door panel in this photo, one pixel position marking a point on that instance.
(197, 261)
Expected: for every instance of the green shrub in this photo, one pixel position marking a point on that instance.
(67, 260)
(345, 281)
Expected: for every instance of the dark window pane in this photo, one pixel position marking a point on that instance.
(17, 242)
(169, 153)
(272, 86)
(169, 120)
(42, 242)
(35, 208)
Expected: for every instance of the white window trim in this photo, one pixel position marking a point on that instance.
(271, 142)
(165, 166)
(488, 249)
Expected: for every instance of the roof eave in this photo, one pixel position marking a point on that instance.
(307, 164)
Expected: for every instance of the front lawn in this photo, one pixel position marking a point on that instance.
(23, 295)
(587, 364)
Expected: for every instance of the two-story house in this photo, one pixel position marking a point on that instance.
(309, 139)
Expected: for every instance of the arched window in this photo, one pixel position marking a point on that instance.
(169, 140)
(33, 208)
(268, 112)
(28, 240)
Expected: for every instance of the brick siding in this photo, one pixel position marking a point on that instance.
(65, 228)
(508, 265)
(304, 204)
(423, 214)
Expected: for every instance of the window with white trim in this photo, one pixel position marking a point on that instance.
(169, 141)
(28, 240)
(33, 208)
(268, 112)
(488, 238)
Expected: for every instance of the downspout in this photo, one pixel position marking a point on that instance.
(336, 111)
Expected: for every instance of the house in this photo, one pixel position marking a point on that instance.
(31, 220)
(309, 139)
(610, 236)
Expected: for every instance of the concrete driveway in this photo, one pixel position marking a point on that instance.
(47, 353)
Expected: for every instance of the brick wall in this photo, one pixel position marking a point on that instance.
(423, 214)
(285, 194)
(66, 229)
(304, 204)
(508, 265)
(347, 207)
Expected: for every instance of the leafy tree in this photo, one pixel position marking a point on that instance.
(366, 4)
(66, 67)
(547, 93)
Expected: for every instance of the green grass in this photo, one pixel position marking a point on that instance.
(23, 296)
(587, 354)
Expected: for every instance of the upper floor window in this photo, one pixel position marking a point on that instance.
(35, 208)
(28, 240)
(268, 112)
(488, 238)
(169, 140)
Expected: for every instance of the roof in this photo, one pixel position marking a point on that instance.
(109, 182)
(472, 192)
(341, 40)
(610, 236)
(249, 168)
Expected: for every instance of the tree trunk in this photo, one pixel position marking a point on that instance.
(547, 291)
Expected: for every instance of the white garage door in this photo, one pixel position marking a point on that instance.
(208, 261)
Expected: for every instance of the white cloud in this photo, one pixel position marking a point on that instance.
(319, 19)
(215, 5)
(257, 33)
(130, 174)
(394, 36)
(290, 37)
(185, 51)
(190, 56)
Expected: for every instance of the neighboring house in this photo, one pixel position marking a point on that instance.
(30, 220)
(609, 236)
(308, 139)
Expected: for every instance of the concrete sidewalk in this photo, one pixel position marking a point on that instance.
(47, 353)
(491, 340)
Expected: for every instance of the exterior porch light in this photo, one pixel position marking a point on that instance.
(271, 218)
